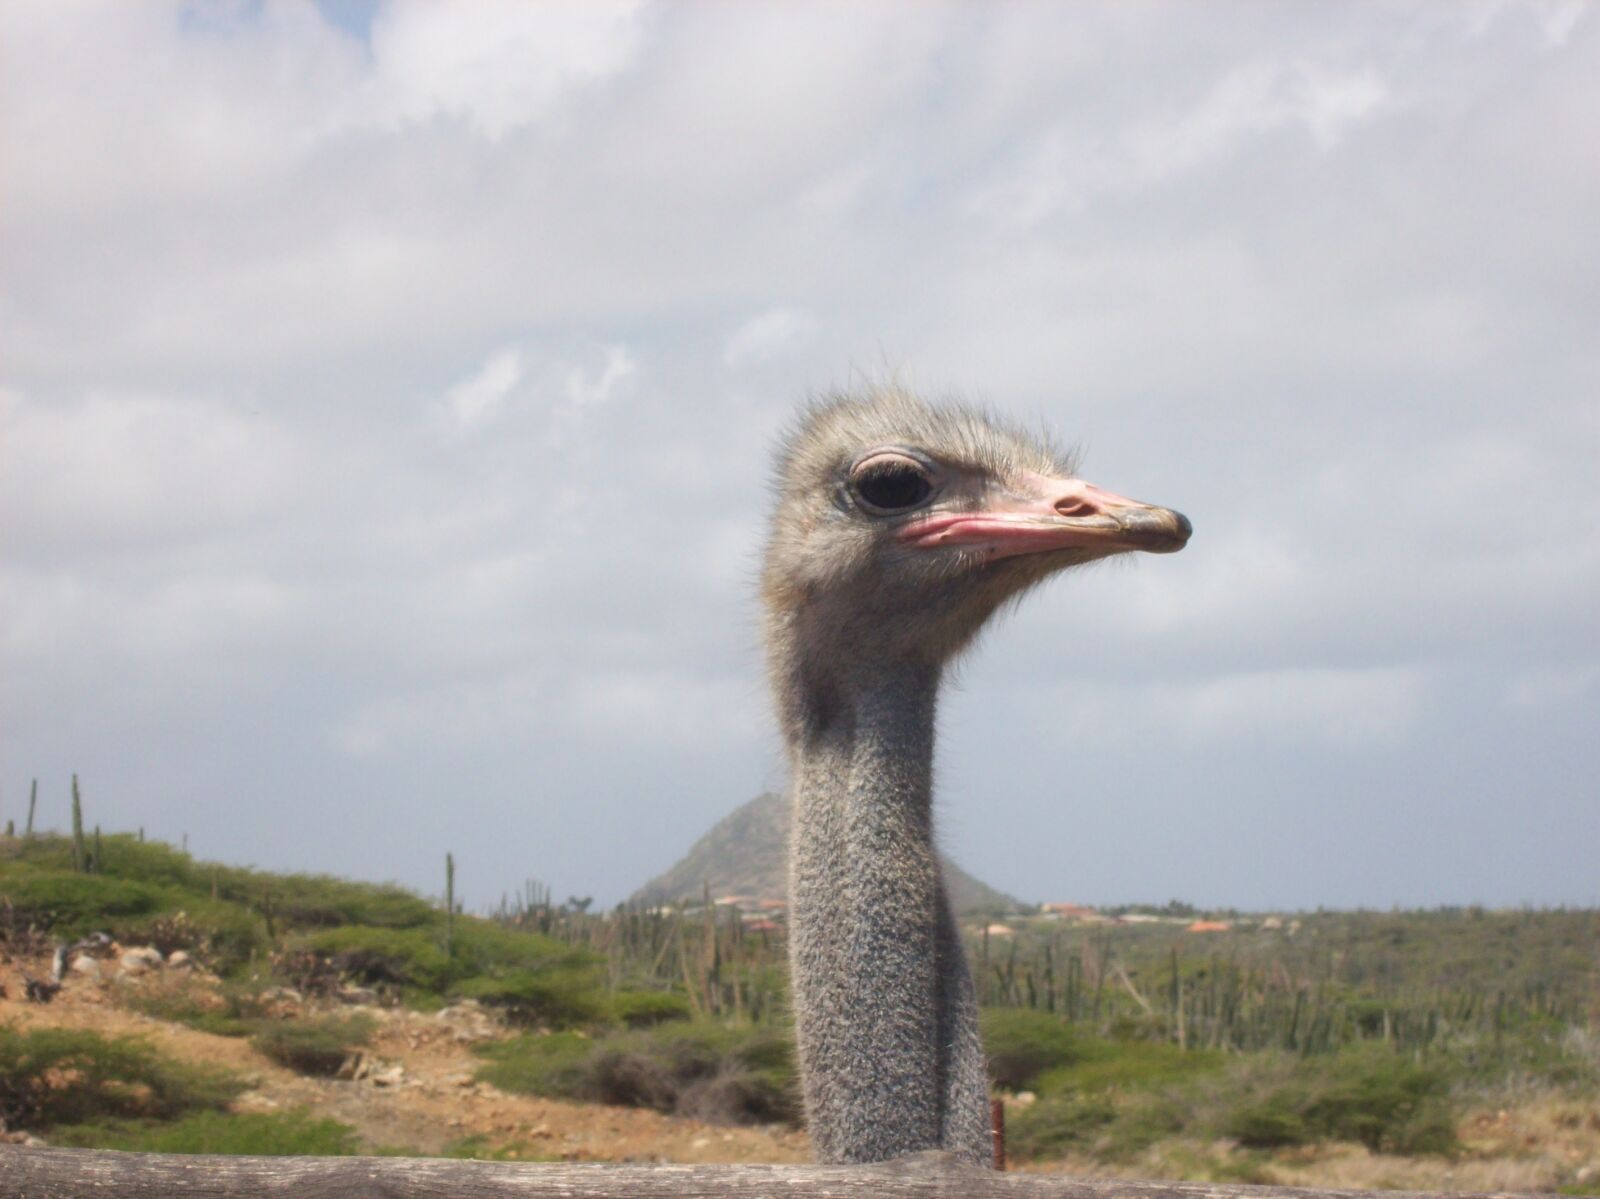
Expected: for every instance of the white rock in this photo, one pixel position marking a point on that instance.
(140, 960)
(87, 967)
(179, 959)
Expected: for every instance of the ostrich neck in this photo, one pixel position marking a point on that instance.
(886, 1025)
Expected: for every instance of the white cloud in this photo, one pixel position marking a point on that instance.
(774, 332)
(586, 390)
(480, 395)
(498, 65)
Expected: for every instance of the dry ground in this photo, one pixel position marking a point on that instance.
(433, 1101)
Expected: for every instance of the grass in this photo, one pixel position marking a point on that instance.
(56, 1076)
(717, 1072)
(295, 1133)
(316, 1047)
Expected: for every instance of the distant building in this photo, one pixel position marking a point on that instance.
(1070, 911)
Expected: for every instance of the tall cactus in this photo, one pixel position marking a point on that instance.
(449, 904)
(80, 852)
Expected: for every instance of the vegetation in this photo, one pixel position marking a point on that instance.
(263, 1133)
(312, 1046)
(56, 1076)
(733, 1074)
(1379, 1029)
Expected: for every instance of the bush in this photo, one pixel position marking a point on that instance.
(1389, 1105)
(295, 1133)
(640, 1009)
(553, 1065)
(1270, 1124)
(236, 1012)
(53, 1076)
(1369, 1095)
(1021, 1044)
(1052, 1126)
(1128, 1066)
(312, 1046)
(384, 956)
(561, 998)
(715, 1072)
(73, 904)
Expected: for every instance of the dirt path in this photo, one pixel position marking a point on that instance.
(430, 1102)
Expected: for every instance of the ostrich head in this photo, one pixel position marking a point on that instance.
(901, 527)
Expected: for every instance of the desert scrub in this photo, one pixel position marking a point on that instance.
(559, 997)
(52, 1076)
(730, 1074)
(641, 1009)
(379, 957)
(1022, 1044)
(313, 1046)
(233, 1012)
(69, 904)
(296, 1133)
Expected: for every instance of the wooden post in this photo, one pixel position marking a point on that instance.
(997, 1130)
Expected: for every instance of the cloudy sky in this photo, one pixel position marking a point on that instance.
(386, 397)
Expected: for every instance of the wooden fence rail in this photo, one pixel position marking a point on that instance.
(37, 1173)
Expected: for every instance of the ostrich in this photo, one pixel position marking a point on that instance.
(900, 528)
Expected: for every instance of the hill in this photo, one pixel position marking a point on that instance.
(745, 854)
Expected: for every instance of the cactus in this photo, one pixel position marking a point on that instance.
(449, 904)
(80, 852)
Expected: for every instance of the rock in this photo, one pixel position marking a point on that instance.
(141, 960)
(179, 959)
(87, 967)
(357, 995)
(282, 995)
(390, 1076)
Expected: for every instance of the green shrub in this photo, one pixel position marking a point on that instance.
(1057, 1124)
(1369, 1095)
(715, 1072)
(1021, 1044)
(640, 1009)
(1388, 1104)
(1270, 1124)
(73, 904)
(385, 956)
(552, 1065)
(312, 1046)
(53, 1076)
(560, 997)
(1128, 1066)
(296, 1133)
(484, 947)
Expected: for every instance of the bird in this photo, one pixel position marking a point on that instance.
(900, 526)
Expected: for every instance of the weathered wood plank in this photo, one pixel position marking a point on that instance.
(76, 1173)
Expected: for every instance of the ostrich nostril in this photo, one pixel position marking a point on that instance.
(1075, 507)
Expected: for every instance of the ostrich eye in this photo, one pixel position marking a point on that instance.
(891, 484)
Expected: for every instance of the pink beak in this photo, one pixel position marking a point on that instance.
(1063, 514)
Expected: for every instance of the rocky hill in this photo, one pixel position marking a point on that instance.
(744, 854)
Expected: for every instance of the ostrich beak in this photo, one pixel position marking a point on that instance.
(1054, 514)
